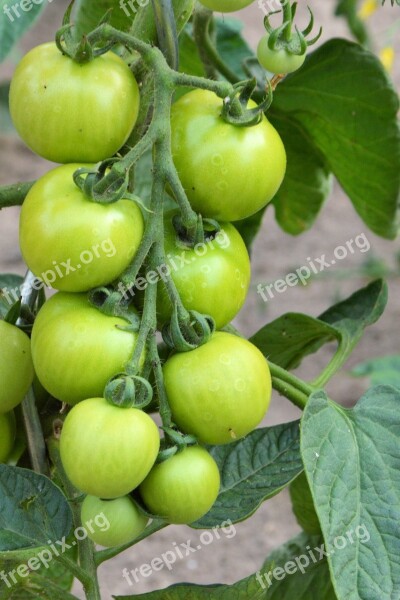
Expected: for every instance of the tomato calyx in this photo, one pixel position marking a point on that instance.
(282, 37)
(175, 441)
(187, 330)
(128, 391)
(235, 111)
(102, 187)
(113, 304)
(206, 229)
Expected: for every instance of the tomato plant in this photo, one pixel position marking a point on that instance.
(106, 450)
(207, 151)
(154, 402)
(57, 105)
(220, 391)
(212, 277)
(16, 368)
(121, 521)
(184, 487)
(74, 244)
(68, 342)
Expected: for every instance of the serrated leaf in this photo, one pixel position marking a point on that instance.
(307, 182)
(344, 101)
(352, 461)
(385, 370)
(252, 470)
(301, 581)
(10, 285)
(291, 337)
(32, 511)
(14, 22)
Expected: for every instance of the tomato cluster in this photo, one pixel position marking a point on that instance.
(217, 392)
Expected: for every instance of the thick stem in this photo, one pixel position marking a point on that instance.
(14, 195)
(294, 389)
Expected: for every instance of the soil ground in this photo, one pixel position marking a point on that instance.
(275, 254)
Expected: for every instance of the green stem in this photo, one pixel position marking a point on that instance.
(294, 389)
(14, 195)
(86, 571)
(334, 365)
(34, 435)
(103, 555)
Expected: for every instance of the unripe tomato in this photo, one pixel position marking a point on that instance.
(212, 278)
(220, 391)
(106, 450)
(7, 435)
(72, 243)
(278, 61)
(16, 367)
(112, 522)
(76, 349)
(226, 6)
(228, 172)
(184, 487)
(69, 112)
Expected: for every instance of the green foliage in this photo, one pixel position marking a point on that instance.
(385, 370)
(14, 25)
(352, 459)
(303, 505)
(9, 291)
(252, 470)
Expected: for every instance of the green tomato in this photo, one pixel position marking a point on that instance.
(220, 391)
(226, 6)
(228, 172)
(112, 522)
(184, 487)
(106, 450)
(7, 435)
(16, 367)
(69, 112)
(72, 243)
(277, 61)
(76, 349)
(212, 278)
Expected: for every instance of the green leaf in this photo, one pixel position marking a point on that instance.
(291, 337)
(343, 100)
(6, 125)
(307, 576)
(349, 10)
(232, 48)
(14, 22)
(38, 587)
(10, 286)
(252, 470)
(32, 511)
(307, 182)
(385, 370)
(352, 460)
(303, 505)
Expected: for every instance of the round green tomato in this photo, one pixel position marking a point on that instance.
(72, 243)
(112, 522)
(226, 6)
(184, 487)
(16, 367)
(278, 61)
(69, 112)
(220, 391)
(228, 172)
(212, 278)
(76, 349)
(7, 435)
(106, 450)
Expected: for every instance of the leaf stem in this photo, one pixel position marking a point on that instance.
(294, 389)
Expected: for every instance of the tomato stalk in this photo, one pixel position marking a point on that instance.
(294, 389)
(14, 195)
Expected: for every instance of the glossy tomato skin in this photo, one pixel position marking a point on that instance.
(226, 6)
(76, 349)
(220, 391)
(212, 278)
(106, 450)
(72, 243)
(278, 61)
(228, 172)
(67, 112)
(112, 522)
(16, 367)
(7, 435)
(184, 487)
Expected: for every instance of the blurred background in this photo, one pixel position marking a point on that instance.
(275, 254)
